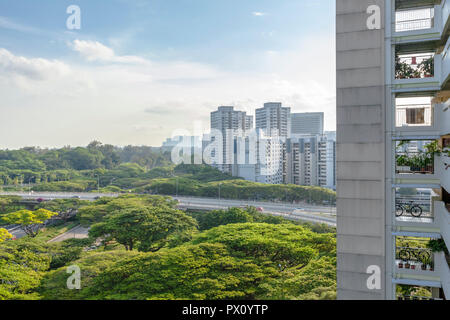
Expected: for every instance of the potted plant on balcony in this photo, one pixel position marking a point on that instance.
(407, 265)
(438, 245)
(431, 265)
(403, 164)
(404, 70)
(425, 262)
(426, 67)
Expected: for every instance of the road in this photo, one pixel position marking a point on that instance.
(75, 233)
(303, 212)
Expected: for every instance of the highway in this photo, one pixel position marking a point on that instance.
(299, 212)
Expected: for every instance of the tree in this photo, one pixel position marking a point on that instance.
(284, 246)
(29, 221)
(66, 208)
(151, 227)
(205, 271)
(5, 235)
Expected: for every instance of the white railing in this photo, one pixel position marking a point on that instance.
(411, 20)
(414, 115)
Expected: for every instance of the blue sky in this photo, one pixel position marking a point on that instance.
(138, 70)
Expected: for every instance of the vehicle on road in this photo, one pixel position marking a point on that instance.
(76, 197)
(260, 209)
(40, 200)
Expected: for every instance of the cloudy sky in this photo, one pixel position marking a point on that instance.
(138, 70)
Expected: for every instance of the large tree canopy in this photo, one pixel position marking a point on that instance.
(30, 221)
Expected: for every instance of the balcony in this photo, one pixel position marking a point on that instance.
(418, 72)
(414, 115)
(414, 163)
(414, 19)
(415, 209)
(414, 260)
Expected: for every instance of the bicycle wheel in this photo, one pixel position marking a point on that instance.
(416, 211)
(399, 210)
(404, 254)
(423, 256)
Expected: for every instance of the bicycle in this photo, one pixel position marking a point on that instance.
(414, 209)
(411, 254)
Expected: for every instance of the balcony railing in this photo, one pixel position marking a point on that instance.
(414, 115)
(414, 163)
(407, 297)
(415, 66)
(413, 208)
(410, 20)
(414, 258)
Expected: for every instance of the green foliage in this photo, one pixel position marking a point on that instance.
(21, 269)
(208, 220)
(98, 210)
(149, 226)
(437, 245)
(53, 285)
(204, 271)
(4, 235)
(30, 222)
(235, 261)
(285, 246)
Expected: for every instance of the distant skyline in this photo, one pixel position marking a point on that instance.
(138, 70)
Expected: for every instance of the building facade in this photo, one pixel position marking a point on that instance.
(307, 123)
(311, 160)
(393, 122)
(230, 124)
(274, 119)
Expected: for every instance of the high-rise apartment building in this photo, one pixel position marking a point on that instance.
(310, 160)
(393, 68)
(230, 123)
(307, 123)
(274, 119)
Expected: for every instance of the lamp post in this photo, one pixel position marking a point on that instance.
(98, 182)
(220, 184)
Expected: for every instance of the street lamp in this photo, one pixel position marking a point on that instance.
(98, 182)
(220, 184)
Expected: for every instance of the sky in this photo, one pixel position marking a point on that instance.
(140, 71)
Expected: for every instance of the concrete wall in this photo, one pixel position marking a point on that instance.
(360, 149)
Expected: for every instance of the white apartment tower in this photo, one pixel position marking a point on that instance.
(310, 160)
(230, 123)
(393, 165)
(274, 119)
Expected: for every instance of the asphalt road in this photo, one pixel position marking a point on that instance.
(303, 212)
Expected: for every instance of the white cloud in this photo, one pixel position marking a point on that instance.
(259, 14)
(36, 68)
(143, 103)
(96, 51)
(11, 25)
